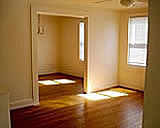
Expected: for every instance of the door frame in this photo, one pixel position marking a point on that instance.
(48, 10)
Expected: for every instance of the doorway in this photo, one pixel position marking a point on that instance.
(69, 63)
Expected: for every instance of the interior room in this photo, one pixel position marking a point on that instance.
(105, 79)
(61, 62)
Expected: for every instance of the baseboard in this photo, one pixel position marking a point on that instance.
(132, 88)
(48, 70)
(71, 72)
(46, 73)
(21, 104)
(119, 85)
(109, 87)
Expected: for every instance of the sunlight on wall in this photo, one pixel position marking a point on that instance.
(89, 87)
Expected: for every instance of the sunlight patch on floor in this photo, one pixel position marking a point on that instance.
(64, 81)
(123, 90)
(48, 82)
(62, 102)
(111, 93)
(56, 82)
(93, 96)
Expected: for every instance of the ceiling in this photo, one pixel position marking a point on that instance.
(113, 4)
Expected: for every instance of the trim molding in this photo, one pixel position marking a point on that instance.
(71, 72)
(131, 87)
(109, 87)
(21, 104)
(123, 86)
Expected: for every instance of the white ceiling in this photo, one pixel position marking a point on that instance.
(113, 4)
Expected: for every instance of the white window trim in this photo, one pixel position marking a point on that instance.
(132, 63)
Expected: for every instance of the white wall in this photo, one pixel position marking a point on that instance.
(129, 76)
(69, 47)
(16, 76)
(152, 88)
(48, 45)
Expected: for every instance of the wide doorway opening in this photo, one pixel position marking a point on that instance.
(61, 57)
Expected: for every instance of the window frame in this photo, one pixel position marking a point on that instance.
(128, 48)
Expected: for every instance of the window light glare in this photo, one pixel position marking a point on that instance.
(93, 96)
(113, 93)
(81, 41)
(64, 81)
(48, 82)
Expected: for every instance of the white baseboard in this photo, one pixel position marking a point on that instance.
(46, 73)
(48, 70)
(115, 85)
(131, 87)
(105, 87)
(111, 86)
(21, 104)
(69, 72)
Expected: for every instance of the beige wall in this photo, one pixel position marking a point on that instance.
(58, 47)
(48, 45)
(4, 111)
(69, 47)
(103, 49)
(152, 89)
(15, 53)
(103, 36)
(15, 44)
(129, 76)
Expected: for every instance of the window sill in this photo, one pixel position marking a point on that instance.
(137, 65)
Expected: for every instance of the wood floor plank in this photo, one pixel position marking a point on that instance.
(62, 108)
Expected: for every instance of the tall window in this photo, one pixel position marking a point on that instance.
(81, 41)
(137, 41)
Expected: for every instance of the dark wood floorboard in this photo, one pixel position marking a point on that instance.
(47, 92)
(72, 111)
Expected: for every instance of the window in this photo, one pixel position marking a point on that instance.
(137, 41)
(81, 41)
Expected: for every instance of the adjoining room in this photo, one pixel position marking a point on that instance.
(61, 58)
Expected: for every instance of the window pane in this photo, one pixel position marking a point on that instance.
(137, 56)
(137, 40)
(81, 41)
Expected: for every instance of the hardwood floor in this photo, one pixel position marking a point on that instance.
(74, 111)
(54, 91)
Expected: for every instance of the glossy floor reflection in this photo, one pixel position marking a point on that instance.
(59, 85)
(79, 112)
